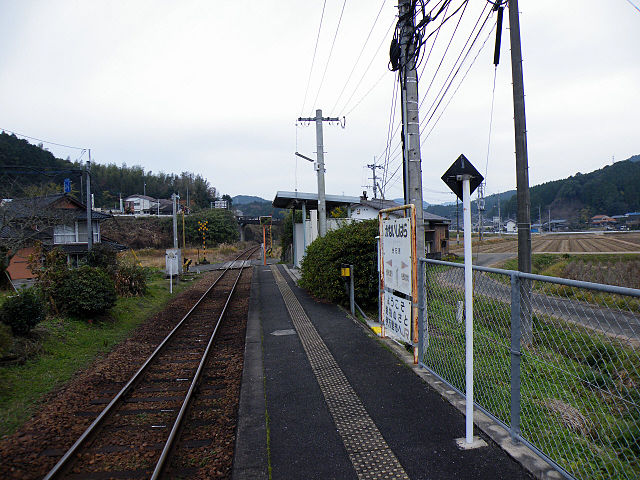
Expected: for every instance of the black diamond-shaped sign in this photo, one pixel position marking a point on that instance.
(462, 166)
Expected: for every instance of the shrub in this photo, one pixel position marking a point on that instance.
(102, 256)
(23, 311)
(50, 269)
(130, 280)
(86, 291)
(353, 244)
(6, 340)
(286, 239)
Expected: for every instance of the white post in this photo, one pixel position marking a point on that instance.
(468, 299)
(170, 275)
(304, 228)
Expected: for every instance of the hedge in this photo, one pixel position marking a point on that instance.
(353, 244)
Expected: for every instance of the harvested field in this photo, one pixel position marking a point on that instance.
(586, 243)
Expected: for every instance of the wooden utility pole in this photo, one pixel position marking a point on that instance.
(522, 161)
(522, 171)
(410, 118)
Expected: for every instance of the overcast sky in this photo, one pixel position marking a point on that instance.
(215, 88)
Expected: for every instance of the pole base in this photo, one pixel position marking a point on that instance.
(477, 443)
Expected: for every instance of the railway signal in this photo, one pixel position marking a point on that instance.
(203, 229)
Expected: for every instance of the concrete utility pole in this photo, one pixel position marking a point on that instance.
(540, 219)
(410, 119)
(480, 210)
(373, 167)
(499, 217)
(322, 206)
(175, 221)
(89, 223)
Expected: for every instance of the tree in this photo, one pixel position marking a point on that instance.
(23, 221)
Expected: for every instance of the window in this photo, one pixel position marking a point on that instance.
(82, 232)
(64, 234)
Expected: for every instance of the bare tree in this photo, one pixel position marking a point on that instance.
(24, 221)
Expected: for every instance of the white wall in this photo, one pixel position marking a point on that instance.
(312, 232)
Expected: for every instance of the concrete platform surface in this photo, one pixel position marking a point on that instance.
(323, 399)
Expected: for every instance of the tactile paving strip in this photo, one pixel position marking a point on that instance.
(369, 453)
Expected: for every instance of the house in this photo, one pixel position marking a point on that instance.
(633, 219)
(138, 204)
(602, 221)
(55, 220)
(436, 228)
(367, 209)
(146, 205)
(559, 225)
(510, 226)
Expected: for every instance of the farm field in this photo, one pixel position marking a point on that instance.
(577, 243)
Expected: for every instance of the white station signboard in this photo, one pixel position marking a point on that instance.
(396, 254)
(397, 317)
(397, 251)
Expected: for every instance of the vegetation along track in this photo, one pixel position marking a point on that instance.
(161, 423)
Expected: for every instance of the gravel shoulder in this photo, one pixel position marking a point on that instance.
(33, 449)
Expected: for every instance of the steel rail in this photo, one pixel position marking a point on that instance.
(185, 404)
(62, 463)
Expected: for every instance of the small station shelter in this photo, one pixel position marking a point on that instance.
(357, 209)
(306, 232)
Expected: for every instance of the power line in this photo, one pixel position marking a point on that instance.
(393, 176)
(335, 36)
(493, 98)
(425, 65)
(633, 5)
(392, 115)
(384, 74)
(359, 56)
(40, 140)
(313, 59)
(455, 30)
(456, 90)
(367, 69)
(450, 78)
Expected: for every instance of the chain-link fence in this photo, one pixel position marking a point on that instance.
(556, 362)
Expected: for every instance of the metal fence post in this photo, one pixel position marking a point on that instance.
(421, 311)
(352, 300)
(516, 335)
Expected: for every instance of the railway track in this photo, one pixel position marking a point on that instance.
(137, 433)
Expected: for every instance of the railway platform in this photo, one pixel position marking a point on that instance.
(322, 398)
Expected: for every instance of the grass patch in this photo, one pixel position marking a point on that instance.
(69, 345)
(621, 270)
(580, 389)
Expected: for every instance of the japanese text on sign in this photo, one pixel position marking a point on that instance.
(397, 317)
(397, 253)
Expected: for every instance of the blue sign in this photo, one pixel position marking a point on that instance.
(67, 185)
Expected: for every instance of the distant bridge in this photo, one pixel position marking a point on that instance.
(245, 220)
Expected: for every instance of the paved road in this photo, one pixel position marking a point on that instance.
(491, 259)
(610, 321)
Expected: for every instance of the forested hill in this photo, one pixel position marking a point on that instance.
(611, 190)
(256, 206)
(27, 169)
